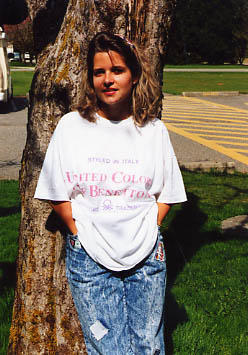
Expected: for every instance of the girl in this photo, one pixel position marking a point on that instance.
(111, 175)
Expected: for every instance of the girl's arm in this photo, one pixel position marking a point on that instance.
(163, 209)
(64, 211)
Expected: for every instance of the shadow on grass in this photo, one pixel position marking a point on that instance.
(8, 278)
(18, 103)
(8, 269)
(8, 211)
(183, 239)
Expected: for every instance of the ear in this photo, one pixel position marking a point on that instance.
(135, 80)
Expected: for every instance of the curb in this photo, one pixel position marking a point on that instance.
(22, 69)
(209, 93)
(237, 225)
(197, 167)
(205, 70)
(207, 166)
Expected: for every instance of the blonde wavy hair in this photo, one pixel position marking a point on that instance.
(146, 94)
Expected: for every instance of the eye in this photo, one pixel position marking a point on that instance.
(98, 72)
(117, 70)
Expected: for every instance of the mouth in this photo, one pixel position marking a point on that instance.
(109, 91)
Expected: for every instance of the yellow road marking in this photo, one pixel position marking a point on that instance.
(203, 124)
(219, 136)
(196, 100)
(203, 113)
(242, 150)
(232, 143)
(210, 144)
(216, 131)
(200, 122)
(191, 114)
(202, 119)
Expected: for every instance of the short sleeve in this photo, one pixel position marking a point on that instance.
(173, 190)
(51, 185)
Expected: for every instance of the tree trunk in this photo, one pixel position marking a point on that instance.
(44, 318)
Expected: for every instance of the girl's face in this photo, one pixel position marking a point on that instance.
(112, 81)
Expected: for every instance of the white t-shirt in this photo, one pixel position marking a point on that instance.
(112, 173)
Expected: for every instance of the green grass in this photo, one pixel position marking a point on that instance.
(177, 82)
(21, 82)
(207, 299)
(174, 82)
(9, 222)
(14, 63)
(206, 66)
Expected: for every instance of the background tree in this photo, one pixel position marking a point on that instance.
(12, 11)
(21, 36)
(213, 31)
(240, 29)
(44, 318)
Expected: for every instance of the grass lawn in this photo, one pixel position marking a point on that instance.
(177, 82)
(207, 66)
(174, 82)
(207, 299)
(14, 63)
(9, 222)
(21, 82)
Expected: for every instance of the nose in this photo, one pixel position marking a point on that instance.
(108, 79)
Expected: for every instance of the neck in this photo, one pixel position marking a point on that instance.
(114, 113)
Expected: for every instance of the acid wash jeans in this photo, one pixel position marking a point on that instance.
(121, 313)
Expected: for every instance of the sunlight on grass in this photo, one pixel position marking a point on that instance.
(176, 83)
(9, 223)
(21, 82)
(207, 299)
(208, 283)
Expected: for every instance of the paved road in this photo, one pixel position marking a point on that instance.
(201, 130)
(209, 129)
(13, 120)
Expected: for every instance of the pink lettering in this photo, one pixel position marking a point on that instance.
(140, 194)
(147, 195)
(69, 177)
(134, 181)
(94, 177)
(142, 179)
(115, 177)
(94, 192)
(102, 192)
(126, 178)
(103, 177)
(86, 176)
(132, 193)
(149, 181)
(119, 177)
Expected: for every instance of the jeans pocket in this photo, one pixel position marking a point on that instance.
(75, 257)
(73, 242)
(160, 249)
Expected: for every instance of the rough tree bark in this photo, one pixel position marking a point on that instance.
(44, 318)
